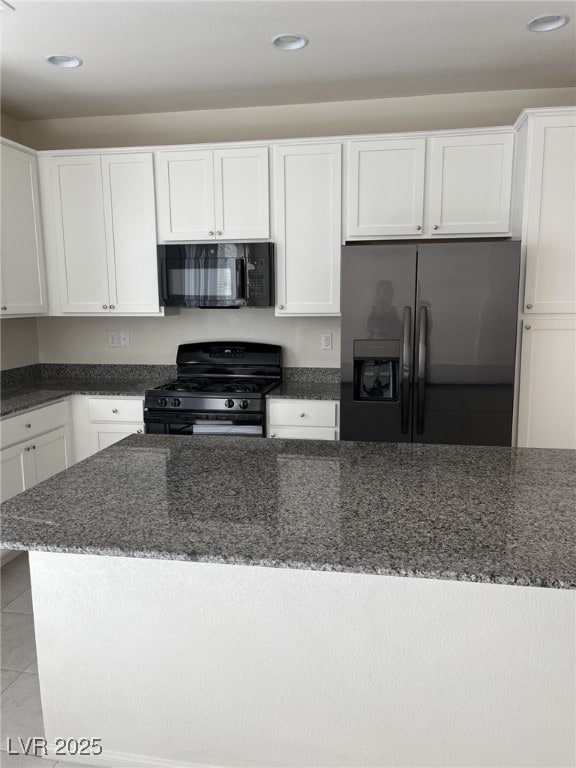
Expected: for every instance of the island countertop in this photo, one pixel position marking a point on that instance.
(484, 514)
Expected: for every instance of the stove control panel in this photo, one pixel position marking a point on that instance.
(198, 403)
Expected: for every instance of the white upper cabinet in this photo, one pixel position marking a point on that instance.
(219, 194)
(385, 192)
(469, 184)
(103, 222)
(449, 185)
(131, 233)
(22, 256)
(550, 215)
(307, 226)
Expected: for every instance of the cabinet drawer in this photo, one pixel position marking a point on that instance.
(115, 409)
(303, 433)
(303, 413)
(35, 422)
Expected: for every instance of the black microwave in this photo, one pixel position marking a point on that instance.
(216, 275)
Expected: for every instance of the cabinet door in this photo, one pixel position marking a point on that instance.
(104, 435)
(15, 476)
(385, 191)
(22, 256)
(307, 181)
(186, 195)
(550, 217)
(51, 453)
(131, 232)
(242, 209)
(80, 234)
(547, 405)
(469, 184)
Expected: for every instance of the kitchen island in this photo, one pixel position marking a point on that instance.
(234, 602)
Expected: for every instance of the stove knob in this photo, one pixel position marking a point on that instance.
(244, 404)
(162, 402)
(229, 403)
(176, 402)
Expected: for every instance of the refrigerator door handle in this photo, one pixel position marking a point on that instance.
(421, 373)
(405, 370)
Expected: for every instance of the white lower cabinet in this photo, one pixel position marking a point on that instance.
(303, 419)
(102, 421)
(547, 403)
(35, 445)
(46, 450)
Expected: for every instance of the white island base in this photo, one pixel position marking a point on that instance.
(179, 664)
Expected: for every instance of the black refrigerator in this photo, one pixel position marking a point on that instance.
(429, 342)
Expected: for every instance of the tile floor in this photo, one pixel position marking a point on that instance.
(20, 696)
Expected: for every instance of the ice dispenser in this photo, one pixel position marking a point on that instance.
(376, 370)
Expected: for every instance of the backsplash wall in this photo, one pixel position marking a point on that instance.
(19, 343)
(154, 340)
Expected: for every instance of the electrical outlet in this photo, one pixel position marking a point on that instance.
(325, 341)
(124, 338)
(112, 338)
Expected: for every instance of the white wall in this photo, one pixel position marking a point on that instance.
(155, 340)
(182, 664)
(19, 343)
(456, 110)
(10, 128)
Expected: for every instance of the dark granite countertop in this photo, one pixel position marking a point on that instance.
(35, 387)
(498, 515)
(16, 399)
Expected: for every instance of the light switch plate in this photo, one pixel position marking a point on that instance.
(112, 338)
(124, 338)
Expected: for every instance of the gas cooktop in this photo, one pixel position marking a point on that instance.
(202, 384)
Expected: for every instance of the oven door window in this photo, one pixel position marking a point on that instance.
(205, 280)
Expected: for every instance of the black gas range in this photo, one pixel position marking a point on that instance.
(220, 389)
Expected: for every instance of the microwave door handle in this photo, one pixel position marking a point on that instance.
(421, 373)
(164, 279)
(241, 280)
(405, 361)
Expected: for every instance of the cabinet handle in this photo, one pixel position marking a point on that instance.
(27, 426)
(302, 415)
(272, 434)
(218, 232)
(528, 306)
(33, 447)
(435, 226)
(138, 431)
(418, 227)
(527, 327)
(114, 410)
(4, 309)
(210, 232)
(104, 306)
(112, 306)
(27, 448)
(280, 306)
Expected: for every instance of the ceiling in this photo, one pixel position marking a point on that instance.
(174, 55)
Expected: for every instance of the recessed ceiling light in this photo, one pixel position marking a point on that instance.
(4, 6)
(288, 41)
(63, 60)
(547, 23)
